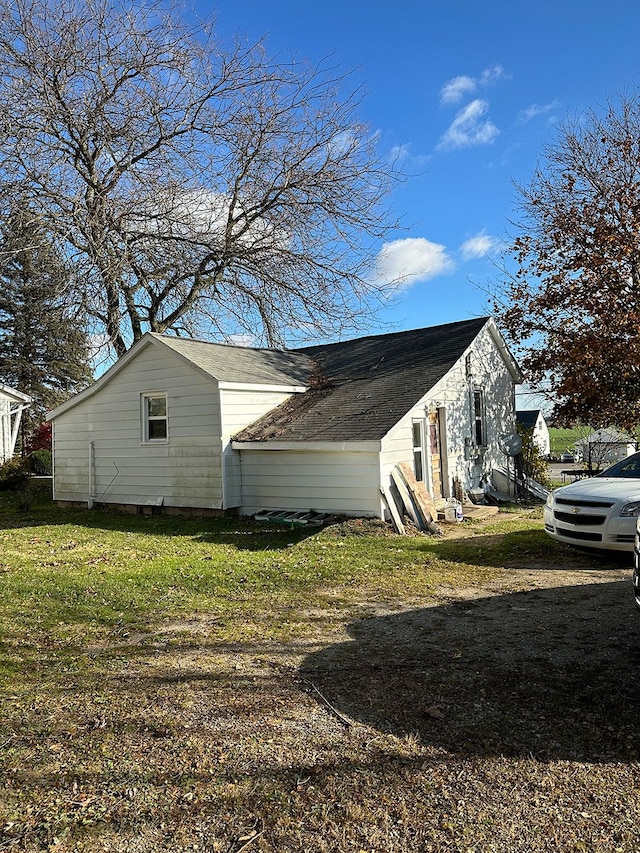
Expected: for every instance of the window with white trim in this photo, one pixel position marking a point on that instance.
(479, 420)
(154, 418)
(418, 460)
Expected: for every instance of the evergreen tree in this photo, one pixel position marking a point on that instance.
(44, 348)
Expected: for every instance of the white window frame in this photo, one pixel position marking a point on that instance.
(146, 418)
(419, 450)
(479, 418)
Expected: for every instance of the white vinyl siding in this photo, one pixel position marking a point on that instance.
(240, 408)
(184, 470)
(455, 393)
(344, 482)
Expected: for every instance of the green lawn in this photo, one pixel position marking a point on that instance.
(564, 439)
(172, 684)
(68, 576)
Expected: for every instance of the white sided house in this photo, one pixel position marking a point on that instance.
(603, 447)
(533, 419)
(12, 404)
(193, 425)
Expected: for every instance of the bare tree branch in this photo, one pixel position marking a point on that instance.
(187, 178)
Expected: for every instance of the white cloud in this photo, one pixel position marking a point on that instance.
(242, 340)
(399, 153)
(535, 110)
(405, 262)
(491, 75)
(468, 128)
(478, 246)
(456, 89)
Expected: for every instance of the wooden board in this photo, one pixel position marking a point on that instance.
(405, 495)
(422, 498)
(393, 510)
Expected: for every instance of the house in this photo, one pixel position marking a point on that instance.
(12, 404)
(533, 420)
(179, 423)
(604, 447)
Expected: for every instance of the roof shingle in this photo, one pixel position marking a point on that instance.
(359, 389)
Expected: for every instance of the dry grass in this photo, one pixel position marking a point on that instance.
(493, 708)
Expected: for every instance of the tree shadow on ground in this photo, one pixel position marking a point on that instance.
(550, 673)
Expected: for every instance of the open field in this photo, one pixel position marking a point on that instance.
(199, 685)
(564, 439)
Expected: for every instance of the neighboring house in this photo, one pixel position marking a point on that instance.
(181, 423)
(603, 447)
(534, 420)
(12, 404)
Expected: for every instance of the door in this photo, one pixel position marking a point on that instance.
(436, 455)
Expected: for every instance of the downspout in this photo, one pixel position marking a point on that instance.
(92, 459)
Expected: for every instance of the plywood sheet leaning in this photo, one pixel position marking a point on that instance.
(421, 497)
(393, 510)
(407, 500)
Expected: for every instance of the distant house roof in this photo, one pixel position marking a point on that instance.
(527, 418)
(606, 436)
(359, 389)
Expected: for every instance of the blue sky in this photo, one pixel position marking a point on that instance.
(466, 94)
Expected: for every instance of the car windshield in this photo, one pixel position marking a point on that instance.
(629, 467)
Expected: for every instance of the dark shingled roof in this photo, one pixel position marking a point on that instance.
(527, 418)
(242, 364)
(359, 389)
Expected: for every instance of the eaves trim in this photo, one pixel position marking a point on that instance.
(330, 446)
(250, 386)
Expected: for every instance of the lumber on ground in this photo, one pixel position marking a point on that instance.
(422, 498)
(406, 498)
(393, 510)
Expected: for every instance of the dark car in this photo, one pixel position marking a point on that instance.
(636, 569)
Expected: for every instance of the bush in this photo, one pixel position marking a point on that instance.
(14, 475)
(535, 466)
(40, 463)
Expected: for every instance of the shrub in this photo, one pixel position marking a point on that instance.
(40, 463)
(535, 466)
(14, 475)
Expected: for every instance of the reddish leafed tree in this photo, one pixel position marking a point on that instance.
(572, 307)
(41, 439)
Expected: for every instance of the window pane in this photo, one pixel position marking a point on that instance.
(157, 407)
(417, 465)
(477, 403)
(157, 429)
(417, 434)
(478, 411)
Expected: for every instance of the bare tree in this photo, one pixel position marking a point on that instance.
(201, 188)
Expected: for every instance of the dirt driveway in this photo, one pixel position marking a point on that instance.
(540, 663)
(497, 719)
